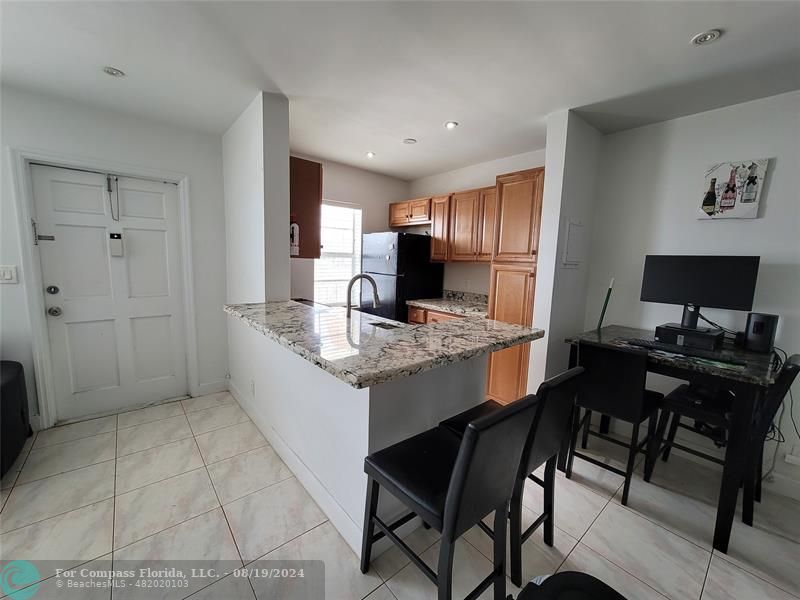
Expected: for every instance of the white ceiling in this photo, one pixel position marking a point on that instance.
(363, 76)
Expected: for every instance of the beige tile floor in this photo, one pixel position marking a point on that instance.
(196, 479)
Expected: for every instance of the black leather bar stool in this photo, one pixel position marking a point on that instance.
(551, 425)
(451, 484)
(614, 385)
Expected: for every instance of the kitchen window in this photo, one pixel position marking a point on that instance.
(340, 257)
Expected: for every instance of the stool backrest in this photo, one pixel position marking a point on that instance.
(614, 381)
(775, 395)
(487, 464)
(552, 423)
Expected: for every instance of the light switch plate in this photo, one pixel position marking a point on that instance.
(8, 274)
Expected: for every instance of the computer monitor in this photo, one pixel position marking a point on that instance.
(694, 281)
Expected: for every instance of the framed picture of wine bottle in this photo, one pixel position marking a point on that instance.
(733, 190)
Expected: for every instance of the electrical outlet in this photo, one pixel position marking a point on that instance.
(253, 388)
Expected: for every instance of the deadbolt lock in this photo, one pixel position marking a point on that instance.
(54, 311)
(52, 289)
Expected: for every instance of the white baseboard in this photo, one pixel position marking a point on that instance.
(212, 387)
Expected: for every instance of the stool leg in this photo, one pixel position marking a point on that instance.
(749, 490)
(515, 532)
(549, 500)
(673, 431)
(655, 444)
(499, 553)
(760, 471)
(444, 575)
(631, 462)
(585, 438)
(370, 508)
(573, 440)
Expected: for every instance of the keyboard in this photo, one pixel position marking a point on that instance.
(686, 351)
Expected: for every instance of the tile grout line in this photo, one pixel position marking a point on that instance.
(213, 487)
(72, 441)
(747, 570)
(114, 507)
(91, 464)
(705, 578)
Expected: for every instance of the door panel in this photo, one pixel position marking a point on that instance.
(440, 222)
(146, 257)
(419, 210)
(486, 223)
(463, 223)
(119, 341)
(92, 355)
(519, 205)
(511, 295)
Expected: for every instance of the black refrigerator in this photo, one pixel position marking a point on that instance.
(400, 264)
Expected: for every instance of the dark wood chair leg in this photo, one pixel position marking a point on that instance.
(563, 452)
(515, 533)
(573, 440)
(370, 508)
(444, 575)
(425, 525)
(673, 431)
(499, 553)
(654, 444)
(549, 500)
(748, 495)
(585, 439)
(632, 453)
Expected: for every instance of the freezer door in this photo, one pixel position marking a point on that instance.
(388, 287)
(379, 253)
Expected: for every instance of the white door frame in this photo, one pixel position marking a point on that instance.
(32, 269)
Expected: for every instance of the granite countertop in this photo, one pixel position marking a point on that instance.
(455, 303)
(361, 353)
(757, 370)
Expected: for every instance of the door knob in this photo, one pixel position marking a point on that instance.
(54, 311)
(52, 289)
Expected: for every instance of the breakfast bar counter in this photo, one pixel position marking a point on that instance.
(327, 390)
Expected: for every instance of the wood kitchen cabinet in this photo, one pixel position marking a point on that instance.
(486, 223)
(464, 218)
(410, 212)
(305, 203)
(519, 209)
(440, 227)
(511, 295)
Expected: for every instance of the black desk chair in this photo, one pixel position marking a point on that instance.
(556, 399)
(614, 385)
(452, 485)
(570, 585)
(763, 420)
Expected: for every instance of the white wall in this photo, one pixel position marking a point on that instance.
(58, 126)
(243, 161)
(647, 201)
(569, 196)
(472, 277)
(373, 192)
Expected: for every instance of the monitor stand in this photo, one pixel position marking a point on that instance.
(687, 333)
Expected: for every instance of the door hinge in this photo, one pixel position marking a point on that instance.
(37, 238)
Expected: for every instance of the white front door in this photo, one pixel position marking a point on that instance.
(115, 317)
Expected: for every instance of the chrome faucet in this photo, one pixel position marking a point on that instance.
(375, 300)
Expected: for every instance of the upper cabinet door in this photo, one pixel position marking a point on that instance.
(398, 214)
(464, 212)
(440, 222)
(519, 207)
(419, 210)
(305, 203)
(486, 222)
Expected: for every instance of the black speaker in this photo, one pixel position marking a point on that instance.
(760, 333)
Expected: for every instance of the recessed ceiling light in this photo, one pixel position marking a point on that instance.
(113, 71)
(451, 125)
(370, 155)
(706, 37)
(409, 141)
